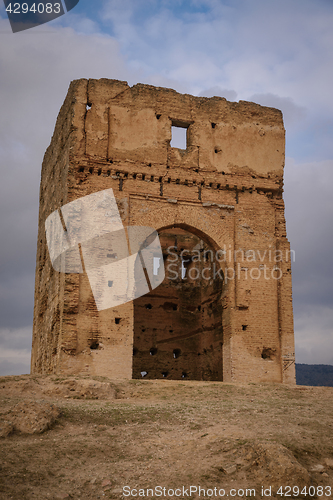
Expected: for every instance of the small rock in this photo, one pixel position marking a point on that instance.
(317, 468)
(229, 469)
(106, 482)
(32, 417)
(328, 462)
(115, 491)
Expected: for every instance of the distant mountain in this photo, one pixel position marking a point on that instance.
(314, 374)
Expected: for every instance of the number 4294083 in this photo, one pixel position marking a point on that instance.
(40, 8)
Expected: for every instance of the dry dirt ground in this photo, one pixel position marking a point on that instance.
(88, 438)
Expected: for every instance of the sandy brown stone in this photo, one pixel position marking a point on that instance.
(223, 191)
(31, 417)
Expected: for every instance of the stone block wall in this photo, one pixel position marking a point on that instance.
(221, 194)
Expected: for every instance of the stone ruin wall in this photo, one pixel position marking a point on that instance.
(223, 191)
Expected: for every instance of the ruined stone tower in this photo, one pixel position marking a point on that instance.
(224, 309)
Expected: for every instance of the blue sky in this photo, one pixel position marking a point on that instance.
(276, 53)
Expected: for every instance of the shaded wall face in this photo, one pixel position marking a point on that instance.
(178, 326)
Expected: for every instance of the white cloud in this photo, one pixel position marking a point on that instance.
(278, 47)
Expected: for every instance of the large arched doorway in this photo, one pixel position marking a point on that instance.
(178, 326)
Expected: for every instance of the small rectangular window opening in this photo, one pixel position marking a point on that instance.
(178, 137)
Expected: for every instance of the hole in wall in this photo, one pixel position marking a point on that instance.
(91, 170)
(117, 320)
(244, 327)
(94, 344)
(110, 283)
(158, 117)
(169, 306)
(81, 169)
(213, 125)
(268, 353)
(153, 351)
(99, 171)
(176, 353)
(165, 374)
(148, 306)
(178, 137)
(184, 375)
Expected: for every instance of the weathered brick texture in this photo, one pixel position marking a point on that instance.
(220, 198)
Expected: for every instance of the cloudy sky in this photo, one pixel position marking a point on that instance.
(274, 52)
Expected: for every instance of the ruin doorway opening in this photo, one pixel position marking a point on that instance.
(178, 330)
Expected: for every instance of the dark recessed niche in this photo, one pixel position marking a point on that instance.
(111, 255)
(158, 116)
(165, 374)
(184, 375)
(153, 351)
(99, 171)
(148, 306)
(267, 353)
(216, 150)
(94, 344)
(117, 320)
(81, 169)
(110, 283)
(143, 177)
(176, 353)
(135, 351)
(134, 176)
(244, 327)
(108, 173)
(213, 125)
(91, 170)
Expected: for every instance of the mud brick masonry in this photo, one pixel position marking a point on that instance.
(220, 194)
